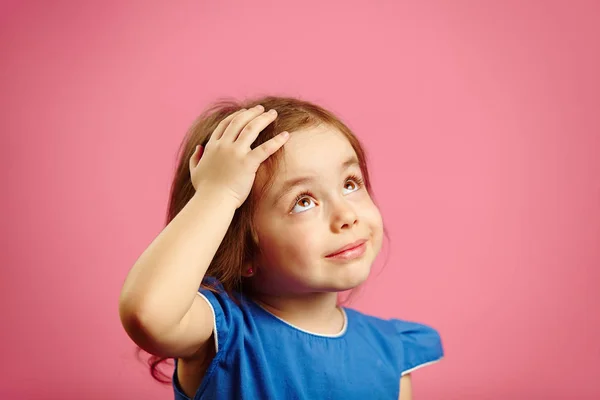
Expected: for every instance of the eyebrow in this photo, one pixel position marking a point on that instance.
(292, 183)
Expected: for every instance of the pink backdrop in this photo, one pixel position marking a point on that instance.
(481, 120)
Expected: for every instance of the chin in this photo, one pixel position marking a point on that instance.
(349, 279)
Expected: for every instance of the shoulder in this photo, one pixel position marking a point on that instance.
(214, 292)
(229, 311)
(417, 344)
(422, 344)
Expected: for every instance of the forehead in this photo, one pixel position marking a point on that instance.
(314, 151)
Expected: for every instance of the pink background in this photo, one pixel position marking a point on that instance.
(483, 126)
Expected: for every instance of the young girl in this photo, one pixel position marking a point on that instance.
(271, 217)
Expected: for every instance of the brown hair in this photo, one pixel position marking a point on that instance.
(238, 246)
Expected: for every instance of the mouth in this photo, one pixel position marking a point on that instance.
(352, 250)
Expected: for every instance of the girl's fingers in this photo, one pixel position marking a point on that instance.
(218, 132)
(265, 150)
(239, 122)
(251, 131)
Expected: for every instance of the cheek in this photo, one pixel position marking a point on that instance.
(292, 245)
(299, 242)
(375, 222)
(370, 212)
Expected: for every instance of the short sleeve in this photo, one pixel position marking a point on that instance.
(226, 312)
(422, 345)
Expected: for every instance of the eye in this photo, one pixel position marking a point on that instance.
(353, 183)
(304, 200)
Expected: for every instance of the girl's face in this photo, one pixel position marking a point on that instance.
(316, 206)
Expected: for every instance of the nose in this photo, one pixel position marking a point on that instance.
(343, 216)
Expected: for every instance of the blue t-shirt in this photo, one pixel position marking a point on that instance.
(260, 356)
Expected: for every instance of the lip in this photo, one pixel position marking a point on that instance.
(349, 248)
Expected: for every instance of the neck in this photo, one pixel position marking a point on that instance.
(314, 312)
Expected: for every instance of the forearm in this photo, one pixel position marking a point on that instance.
(163, 282)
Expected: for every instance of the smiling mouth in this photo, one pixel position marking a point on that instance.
(349, 252)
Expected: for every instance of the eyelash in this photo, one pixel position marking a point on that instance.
(359, 182)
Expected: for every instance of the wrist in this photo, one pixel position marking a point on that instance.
(216, 196)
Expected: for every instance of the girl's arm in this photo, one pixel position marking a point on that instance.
(159, 307)
(405, 388)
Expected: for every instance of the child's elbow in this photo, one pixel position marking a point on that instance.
(141, 327)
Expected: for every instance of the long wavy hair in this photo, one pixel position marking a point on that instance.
(238, 246)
